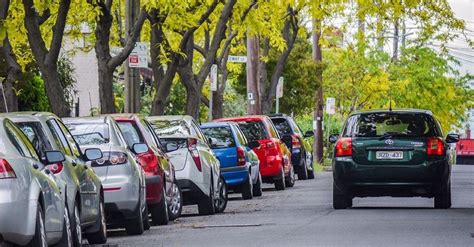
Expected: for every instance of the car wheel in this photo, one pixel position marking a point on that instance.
(66, 238)
(146, 219)
(99, 237)
(340, 200)
(39, 239)
(290, 180)
(206, 205)
(443, 199)
(280, 181)
(159, 212)
(310, 174)
(221, 201)
(76, 226)
(257, 187)
(176, 205)
(135, 226)
(247, 188)
(302, 171)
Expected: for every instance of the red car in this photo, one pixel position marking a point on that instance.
(273, 153)
(163, 196)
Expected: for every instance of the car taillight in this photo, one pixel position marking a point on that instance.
(149, 162)
(344, 147)
(192, 147)
(435, 146)
(295, 142)
(6, 171)
(115, 158)
(55, 168)
(241, 156)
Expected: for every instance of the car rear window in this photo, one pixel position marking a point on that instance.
(90, 133)
(282, 126)
(130, 133)
(174, 128)
(390, 123)
(254, 131)
(223, 135)
(35, 134)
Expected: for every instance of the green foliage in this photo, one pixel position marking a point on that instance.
(31, 94)
(67, 77)
(176, 100)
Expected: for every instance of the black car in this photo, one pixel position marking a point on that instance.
(399, 153)
(301, 149)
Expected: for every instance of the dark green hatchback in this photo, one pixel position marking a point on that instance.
(400, 153)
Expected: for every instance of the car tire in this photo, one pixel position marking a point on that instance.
(146, 219)
(290, 180)
(221, 200)
(340, 200)
(159, 212)
(310, 174)
(247, 188)
(176, 206)
(135, 226)
(280, 181)
(39, 239)
(302, 171)
(257, 187)
(76, 225)
(99, 237)
(66, 238)
(443, 199)
(206, 205)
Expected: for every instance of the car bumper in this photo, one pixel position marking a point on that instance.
(235, 176)
(18, 220)
(425, 179)
(192, 194)
(121, 200)
(154, 189)
(272, 167)
(296, 157)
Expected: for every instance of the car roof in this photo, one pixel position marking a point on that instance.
(124, 116)
(403, 110)
(217, 124)
(277, 115)
(170, 117)
(243, 118)
(29, 116)
(95, 119)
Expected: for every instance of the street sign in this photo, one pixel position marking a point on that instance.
(250, 96)
(138, 58)
(237, 59)
(279, 90)
(213, 77)
(330, 106)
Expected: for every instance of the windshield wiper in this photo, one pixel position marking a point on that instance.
(388, 135)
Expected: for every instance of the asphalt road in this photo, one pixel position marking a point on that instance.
(303, 216)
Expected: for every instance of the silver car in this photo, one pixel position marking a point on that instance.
(83, 188)
(122, 177)
(32, 208)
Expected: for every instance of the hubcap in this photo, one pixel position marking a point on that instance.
(77, 218)
(176, 200)
(102, 220)
(222, 194)
(68, 227)
(42, 232)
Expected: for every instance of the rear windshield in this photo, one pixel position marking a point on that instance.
(90, 133)
(35, 134)
(175, 128)
(283, 127)
(223, 136)
(396, 124)
(130, 133)
(254, 131)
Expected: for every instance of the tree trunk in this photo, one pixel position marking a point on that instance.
(13, 70)
(54, 91)
(395, 40)
(263, 79)
(253, 102)
(318, 111)
(106, 91)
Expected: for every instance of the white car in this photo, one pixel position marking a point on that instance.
(197, 169)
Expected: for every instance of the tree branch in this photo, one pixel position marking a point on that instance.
(58, 32)
(38, 47)
(200, 49)
(247, 10)
(202, 19)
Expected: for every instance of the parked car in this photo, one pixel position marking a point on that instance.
(162, 191)
(392, 153)
(465, 149)
(240, 171)
(301, 149)
(32, 209)
(83, 188)
(273, 152)
(197, 169)
(123, 179)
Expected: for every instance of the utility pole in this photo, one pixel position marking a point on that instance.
(318, 108)
(253, 78)
(132, 76)
(395, 39)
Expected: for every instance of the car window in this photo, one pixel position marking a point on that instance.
(271, 129)
(282, 126)
(120, 137)
(198, 132)
(90, 133)
(149, 132)
(130, 133)
(254, 130)
(34, 132)
(240, 136)
(170, 128)
(58, 136)
(378, 124)
(295, 127)
(223, 136)
(15, 140)
(21, 141)
(71, 141)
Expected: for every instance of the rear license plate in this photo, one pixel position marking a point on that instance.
(389, 155)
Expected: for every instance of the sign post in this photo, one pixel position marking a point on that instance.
(330, 110)
(279, 93)
(213, 87)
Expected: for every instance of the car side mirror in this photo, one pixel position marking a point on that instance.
(171, 146)
(333, 138)
(53, 157)
(139, 148)
(92, 154)
(287, 139)
(308, 134)
(253, 144)
(452, 138)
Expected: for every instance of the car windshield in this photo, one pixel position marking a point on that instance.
(254, 131)
(390, 124)
(223, 136)
(171, 128)
(282, 126)
(35, 134)
(130, 133)
(90, 133)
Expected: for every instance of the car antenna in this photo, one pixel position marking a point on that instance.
(390, 100)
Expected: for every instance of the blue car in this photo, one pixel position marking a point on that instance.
(240, 166)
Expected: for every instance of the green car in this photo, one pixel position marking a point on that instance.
(399, 153)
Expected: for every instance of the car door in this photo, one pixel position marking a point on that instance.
(211, 164)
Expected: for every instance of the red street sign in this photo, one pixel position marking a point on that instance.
(133, 59)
